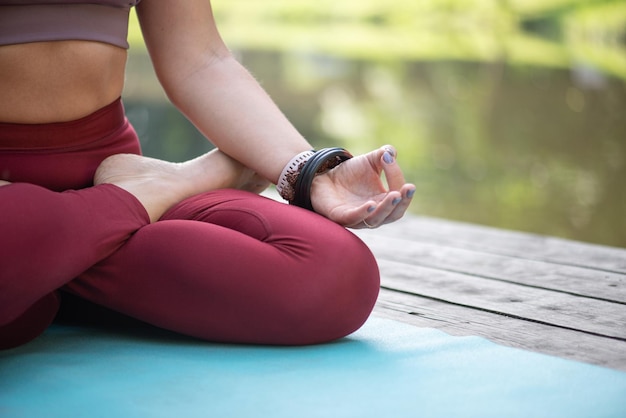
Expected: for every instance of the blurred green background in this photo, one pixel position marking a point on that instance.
(507, 113)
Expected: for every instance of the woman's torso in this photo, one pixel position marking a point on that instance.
(57, 81)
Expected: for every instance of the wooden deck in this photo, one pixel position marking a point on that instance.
(537, 293)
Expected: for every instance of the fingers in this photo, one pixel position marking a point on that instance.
(406, 192)
(353, 217)
(383, 210)
(378, 205)
(400, 194)
(391, 168)
(390, 209)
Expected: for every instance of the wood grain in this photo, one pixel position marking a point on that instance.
(537, 293)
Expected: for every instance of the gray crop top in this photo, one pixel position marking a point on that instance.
(24, 21)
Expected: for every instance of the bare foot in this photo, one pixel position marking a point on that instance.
(158, 184)
(250, 181)
(226, 172)
(4, 183)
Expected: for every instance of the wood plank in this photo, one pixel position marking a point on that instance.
(531, 304)
(512, 332)
(557, 277)
(502, 242)
(537, 293)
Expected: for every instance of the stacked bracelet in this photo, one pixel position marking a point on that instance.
(296, 179)
(289, 175)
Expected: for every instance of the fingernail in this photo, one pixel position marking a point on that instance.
(387, 157)
(390, 150)
(371, 209)
(396, 201)
(410, 193)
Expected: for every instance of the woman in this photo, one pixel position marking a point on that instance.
(188, 247)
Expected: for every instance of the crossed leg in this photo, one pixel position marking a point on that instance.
(226, 265)
(233, 266)
(49, 238)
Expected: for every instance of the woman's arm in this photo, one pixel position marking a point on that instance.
(205, 82)
(229, 107)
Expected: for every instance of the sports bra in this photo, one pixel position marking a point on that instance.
(24, 21)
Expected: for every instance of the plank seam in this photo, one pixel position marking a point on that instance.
(496, 279)
(463, 245)
(502, 314)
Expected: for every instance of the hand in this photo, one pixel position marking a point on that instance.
(353, 194)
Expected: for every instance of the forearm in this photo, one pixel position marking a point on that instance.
(231, 109)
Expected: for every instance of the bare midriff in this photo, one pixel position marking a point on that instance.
(59, 81)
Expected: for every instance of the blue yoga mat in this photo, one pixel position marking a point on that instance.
(386, 369)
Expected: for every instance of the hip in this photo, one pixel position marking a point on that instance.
(65, 155)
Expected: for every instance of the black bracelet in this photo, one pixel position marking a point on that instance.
(322, 161)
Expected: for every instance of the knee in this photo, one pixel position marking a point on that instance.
(341, 290)
(352, 293)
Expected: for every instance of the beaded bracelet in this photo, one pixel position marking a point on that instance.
(320, 162)
(289, 175)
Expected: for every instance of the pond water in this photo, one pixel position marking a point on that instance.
(517, 147)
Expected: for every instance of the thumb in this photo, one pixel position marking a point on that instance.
(386, 161)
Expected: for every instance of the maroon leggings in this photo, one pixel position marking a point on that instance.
(227, 265)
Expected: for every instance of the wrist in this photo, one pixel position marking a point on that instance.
(288, 177)
(297, 177)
